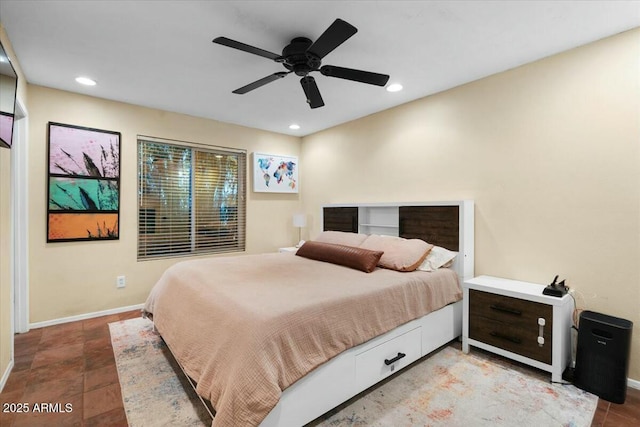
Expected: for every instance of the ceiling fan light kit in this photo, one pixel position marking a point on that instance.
(302, 56)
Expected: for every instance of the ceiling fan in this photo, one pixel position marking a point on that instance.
(302, 56)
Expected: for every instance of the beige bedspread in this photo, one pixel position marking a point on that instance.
(245, 328)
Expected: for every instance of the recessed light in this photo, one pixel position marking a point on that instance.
(294, 127)
(86, 81)
(394, 87)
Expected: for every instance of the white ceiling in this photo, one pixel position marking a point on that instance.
(160, 54)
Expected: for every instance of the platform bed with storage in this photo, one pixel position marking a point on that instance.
(283, 352)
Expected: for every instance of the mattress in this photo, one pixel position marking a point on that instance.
(247, 327)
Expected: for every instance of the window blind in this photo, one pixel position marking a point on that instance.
(191, 200)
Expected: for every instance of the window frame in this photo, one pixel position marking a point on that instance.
(196, 244)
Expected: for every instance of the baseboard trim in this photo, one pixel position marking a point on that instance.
(6, 374)
(85, 316)
(633, 383)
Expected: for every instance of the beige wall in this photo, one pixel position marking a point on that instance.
(69, 279)
(5, 224)
(550, 152)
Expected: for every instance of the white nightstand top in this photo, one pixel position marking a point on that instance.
(515, 289)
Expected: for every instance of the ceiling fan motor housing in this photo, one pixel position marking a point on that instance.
(296, 58)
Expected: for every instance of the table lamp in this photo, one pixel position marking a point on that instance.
(299, 221)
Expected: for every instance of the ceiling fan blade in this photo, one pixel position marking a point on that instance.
(355, 75)
(263, 81)
(245, 47)
(334, 36)
(314, 99)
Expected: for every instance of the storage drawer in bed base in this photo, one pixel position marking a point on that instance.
(376, 364)
(335, 382)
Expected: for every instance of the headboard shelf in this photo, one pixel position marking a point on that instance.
(446, 224)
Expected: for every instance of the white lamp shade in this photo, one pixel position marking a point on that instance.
(300, 220)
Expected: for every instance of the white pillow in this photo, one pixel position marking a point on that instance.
(438, 257)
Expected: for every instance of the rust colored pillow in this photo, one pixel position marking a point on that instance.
(348, 256)
(399, 254)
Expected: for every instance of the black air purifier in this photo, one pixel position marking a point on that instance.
(602, 356)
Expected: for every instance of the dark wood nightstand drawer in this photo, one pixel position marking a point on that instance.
(511, 338)
(507, 309)
(510, 324)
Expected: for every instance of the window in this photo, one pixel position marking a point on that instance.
(191, 200)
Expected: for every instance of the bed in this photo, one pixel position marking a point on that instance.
(281, 339)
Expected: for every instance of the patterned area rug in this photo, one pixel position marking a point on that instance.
(155, 392)
(449, 388)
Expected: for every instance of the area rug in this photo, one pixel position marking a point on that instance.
(155, 392)
(450, 388)
(447, 388)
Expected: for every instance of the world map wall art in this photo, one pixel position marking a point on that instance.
(273, 173)
(84, 184)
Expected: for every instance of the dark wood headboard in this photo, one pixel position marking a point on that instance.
(438, 225)
(340, 219)
(446, 224)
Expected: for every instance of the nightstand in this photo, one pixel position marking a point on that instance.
(288, 249)
(515, 320)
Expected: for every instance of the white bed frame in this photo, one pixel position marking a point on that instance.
(358, 368)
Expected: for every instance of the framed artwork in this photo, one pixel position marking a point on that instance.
(6, 129)
(84, 184)
(273, 173)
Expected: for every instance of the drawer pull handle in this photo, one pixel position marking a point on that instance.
(506, 337)
(395, 359)
(506, 309)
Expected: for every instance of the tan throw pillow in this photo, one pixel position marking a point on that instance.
(399, 254)
(348, 256)
(341, 238)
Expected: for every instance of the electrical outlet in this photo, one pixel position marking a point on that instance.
(120, 282)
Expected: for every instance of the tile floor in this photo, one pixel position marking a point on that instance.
(614, 415)
(73, 364)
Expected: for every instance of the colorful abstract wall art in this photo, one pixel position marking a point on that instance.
(84, 184)
(274, 173)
